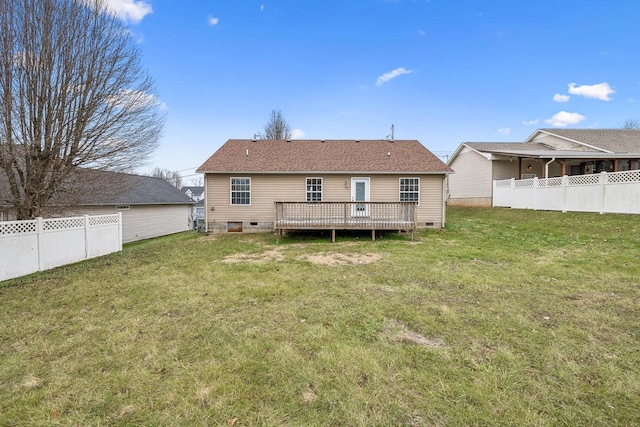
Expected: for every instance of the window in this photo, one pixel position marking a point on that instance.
(241, 191)
(409, 189)
(314, 189)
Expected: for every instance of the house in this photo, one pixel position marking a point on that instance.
(546, 153)
(150, 207)
(196, 193)
(249, 182)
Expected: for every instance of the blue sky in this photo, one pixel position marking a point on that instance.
(441, 71)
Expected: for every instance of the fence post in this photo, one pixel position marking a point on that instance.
(39, 243)
(120, 228)
(535, 193)
(565, 183)
(86, 237)
(603, 187)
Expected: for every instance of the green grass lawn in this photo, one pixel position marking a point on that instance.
(506, 317)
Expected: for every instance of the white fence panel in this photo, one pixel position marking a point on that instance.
(18, 248)
(617, 192)
(104, 235)
(41, 244)
(62, 242)
(502, 194)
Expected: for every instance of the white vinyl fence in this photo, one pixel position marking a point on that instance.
(41, 244)
(617, 192)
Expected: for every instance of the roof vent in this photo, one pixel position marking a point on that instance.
(288, 140)
(322, 140)
(357, 140)
(388, 153)
(246, 153)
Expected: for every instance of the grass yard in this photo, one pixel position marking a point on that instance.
(507, 317)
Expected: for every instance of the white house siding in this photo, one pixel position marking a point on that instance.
(267, 188)
(146, 221)
(470, 184)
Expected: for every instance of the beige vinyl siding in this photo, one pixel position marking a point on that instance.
(266, 189)
(471, 178)
(504, 169)
(145, 221)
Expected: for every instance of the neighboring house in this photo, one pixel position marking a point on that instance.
(244, 179)
(150, 207)
(546, 153)
(196, 193)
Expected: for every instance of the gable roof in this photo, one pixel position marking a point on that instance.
(195, 190)
(612, 140)
(89, 187)
(595, 144)
(326, 156)
(134, 190)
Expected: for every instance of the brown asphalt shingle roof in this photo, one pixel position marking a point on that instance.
(331, 156)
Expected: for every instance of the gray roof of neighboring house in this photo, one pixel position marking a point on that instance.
(196, 190)
(596, 144)
(613, 140)
(134, 190)
(99, 188)
(500, 147)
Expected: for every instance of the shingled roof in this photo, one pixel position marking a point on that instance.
(323, 156)
(90, 187)
(612, 140)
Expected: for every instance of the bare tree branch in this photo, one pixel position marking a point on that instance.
(631, 124)
(72, 94)
(172, 177)
(277, 127)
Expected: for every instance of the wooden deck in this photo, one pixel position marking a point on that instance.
(334, 216)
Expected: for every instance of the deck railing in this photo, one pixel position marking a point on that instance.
(345, 216)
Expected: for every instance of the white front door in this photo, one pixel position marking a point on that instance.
(359, 193)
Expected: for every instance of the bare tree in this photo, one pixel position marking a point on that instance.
(172, 177)
(197, 181)
(277, 127)
(72, 94)
(631, 124)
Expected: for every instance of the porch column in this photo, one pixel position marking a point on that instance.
(563, 164)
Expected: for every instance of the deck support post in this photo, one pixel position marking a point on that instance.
(373, 235)
(333, 235)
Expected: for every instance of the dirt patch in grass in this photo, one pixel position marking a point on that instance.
(271, 255)
(399, 332)
(336, 258)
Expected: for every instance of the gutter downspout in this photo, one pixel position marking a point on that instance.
(546, 167)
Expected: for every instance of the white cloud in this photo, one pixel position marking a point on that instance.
(135, 99)
(261, 8)
(504, 131)
(599, 91)
(213, 21)
(392, 75)
(422, 33)
(531, 122)
(297, 134)
(561, 98)
(564, 118)
(129, 10)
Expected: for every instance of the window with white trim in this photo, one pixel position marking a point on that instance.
(240, 191)
(314, 189)
(410, 190)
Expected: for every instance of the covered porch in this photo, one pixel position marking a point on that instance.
(552, 165)
(334, 216)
